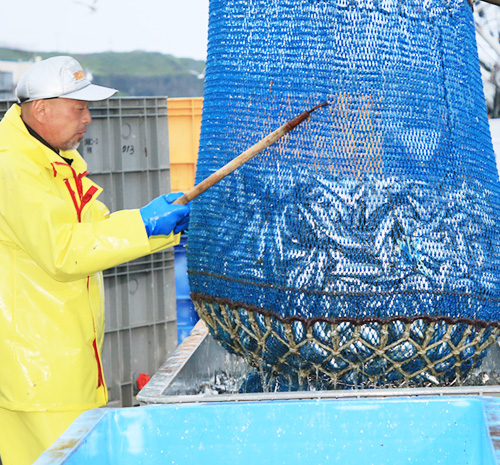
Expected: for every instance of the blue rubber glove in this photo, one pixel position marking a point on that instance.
(160, 217)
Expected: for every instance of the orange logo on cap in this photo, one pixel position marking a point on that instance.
(79, 75)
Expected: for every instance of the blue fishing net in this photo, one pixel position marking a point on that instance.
(367, 239)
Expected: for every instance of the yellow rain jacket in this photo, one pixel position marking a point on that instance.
(55, 239)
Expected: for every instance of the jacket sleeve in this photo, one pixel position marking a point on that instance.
(42, 224)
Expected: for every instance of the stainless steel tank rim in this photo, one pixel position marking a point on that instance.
(491, 391)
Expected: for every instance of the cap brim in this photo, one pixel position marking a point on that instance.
(91, 93)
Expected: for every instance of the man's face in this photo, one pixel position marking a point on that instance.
(66, 122)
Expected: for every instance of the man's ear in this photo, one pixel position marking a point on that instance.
(40, 110)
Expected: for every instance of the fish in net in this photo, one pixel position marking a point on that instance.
(363, 247)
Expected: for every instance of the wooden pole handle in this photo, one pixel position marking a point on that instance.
(247, 155)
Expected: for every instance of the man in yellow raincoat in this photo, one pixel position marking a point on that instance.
(55, 240)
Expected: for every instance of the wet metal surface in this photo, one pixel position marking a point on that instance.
(197, 367)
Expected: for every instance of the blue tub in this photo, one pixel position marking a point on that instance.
(186, 314)
(425, 430)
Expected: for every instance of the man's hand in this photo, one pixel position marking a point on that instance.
(161, 217)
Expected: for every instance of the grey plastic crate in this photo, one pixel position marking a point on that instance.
(125, 190)
(129, 352)
(143, 292)
(127, 134)
(126, 150)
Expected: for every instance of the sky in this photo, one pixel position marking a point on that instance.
(176, 27)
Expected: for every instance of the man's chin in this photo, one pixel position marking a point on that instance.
(72, 147)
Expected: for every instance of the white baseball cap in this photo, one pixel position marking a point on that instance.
(59, 77)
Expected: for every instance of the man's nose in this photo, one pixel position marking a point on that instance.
(87, 119)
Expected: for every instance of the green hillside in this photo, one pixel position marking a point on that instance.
(134, 73)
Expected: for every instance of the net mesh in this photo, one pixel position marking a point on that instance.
(365, 243)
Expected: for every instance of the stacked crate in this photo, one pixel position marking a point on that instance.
(126, 149)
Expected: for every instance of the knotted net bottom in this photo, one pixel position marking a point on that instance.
(349, 352)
